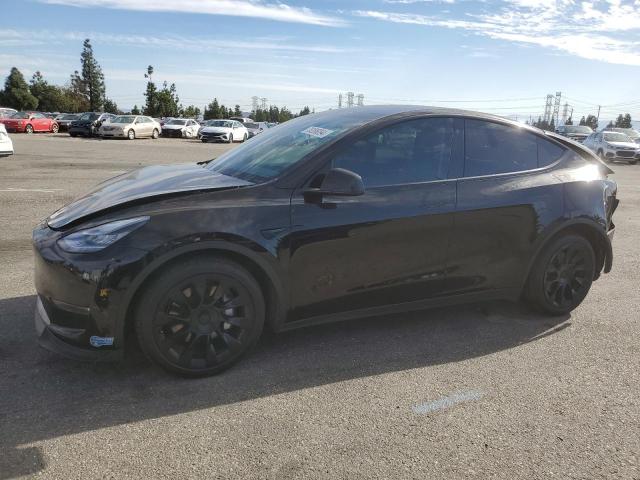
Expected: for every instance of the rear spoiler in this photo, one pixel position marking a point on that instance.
(581, 150)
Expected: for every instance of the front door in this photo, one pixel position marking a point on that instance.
(389, 245)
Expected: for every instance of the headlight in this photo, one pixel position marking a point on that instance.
(100, 237)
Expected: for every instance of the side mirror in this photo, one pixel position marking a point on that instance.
(338, 181)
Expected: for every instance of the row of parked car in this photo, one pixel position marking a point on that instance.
(610, 144)
(107, 125)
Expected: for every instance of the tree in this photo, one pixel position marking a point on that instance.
(552, 125)
(569, 121)
(92, 77)
(151, 106)
(110, 106)
(50, 97)
(77, 93)
(212, 110)
(304, 111)
(167, 101)
(224, 113)
(191, 112)
(610, 125)
(583, 122)
(135, 110)
(592, 122)
(16, 93)
(237, 112)
(623, 121)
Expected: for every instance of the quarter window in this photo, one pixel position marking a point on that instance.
(548, 152)
(410, 152)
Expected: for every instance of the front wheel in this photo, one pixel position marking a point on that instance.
(244, 139)
(54, 128)
(230, 138)
(28, 129)
(155, 134)
(200, 316)
(562, 275)
(131, 135)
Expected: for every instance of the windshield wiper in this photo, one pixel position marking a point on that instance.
(205, 162)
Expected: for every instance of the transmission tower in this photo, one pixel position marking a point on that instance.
(263, 101)
(547, 108)
(360, 99)
(340, 101)
(349, 99)
(565, 113)
(254, 103)
(556, 108)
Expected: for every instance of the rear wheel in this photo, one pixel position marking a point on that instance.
(54, 128)
(28, 129)
(155, 134)
(131, 134)
(562, 275)
(244, 139)
(230, 138)
(200, 317)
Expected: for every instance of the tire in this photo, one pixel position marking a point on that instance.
(632, 162)
(73, 134)
(561, 276)
(155, 134)
(603, 157)
(182, 323)
(28, 129)
(131, 134)
(203, 140)
(244, 139)
(54, 128)
(230, 138)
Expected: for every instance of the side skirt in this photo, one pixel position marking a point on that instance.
(511, 294)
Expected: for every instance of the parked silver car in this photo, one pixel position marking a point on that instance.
(613, 146)
(131, 127)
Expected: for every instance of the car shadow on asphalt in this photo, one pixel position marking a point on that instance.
(46, 396)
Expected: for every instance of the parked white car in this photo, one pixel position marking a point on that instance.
(224, 131)
(6, 145)
(180, 127)
(613, 146)
(131, 127)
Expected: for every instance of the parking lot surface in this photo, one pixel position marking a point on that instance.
(481, 391)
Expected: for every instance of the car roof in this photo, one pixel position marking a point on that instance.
(371, 113)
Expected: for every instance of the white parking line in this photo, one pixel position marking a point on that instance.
(40, 190)
(447, 402)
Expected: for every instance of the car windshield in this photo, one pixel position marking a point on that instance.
(88, 116)
(252, 125)
(279, 148)
(577, 129)
(176, 121)
(20, 115)
(68, 116)
(124, 119)
(628, 131)
(616, 137)
(219, 123)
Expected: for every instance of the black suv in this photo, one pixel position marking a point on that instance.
(330, 216)
(89, 123)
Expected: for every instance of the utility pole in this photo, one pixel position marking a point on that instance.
(360, 98)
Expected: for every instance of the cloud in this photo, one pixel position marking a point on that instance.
(603, 30)
(240, 8)
(169, 41)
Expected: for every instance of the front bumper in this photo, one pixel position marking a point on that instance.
(626, 155)
(171, 133)
(214, 137)
(113, 133)
(83, 300)
(48, 338)
(82, 129)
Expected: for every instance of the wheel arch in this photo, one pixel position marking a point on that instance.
(269, 281)
(592, 232)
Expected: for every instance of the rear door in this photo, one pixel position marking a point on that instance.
(389, 245)
(504, 200)
(40, 122)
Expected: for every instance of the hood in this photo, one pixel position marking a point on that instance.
(216, 129)
(623, 144)
(140, 184)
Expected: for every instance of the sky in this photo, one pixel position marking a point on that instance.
(497, 56)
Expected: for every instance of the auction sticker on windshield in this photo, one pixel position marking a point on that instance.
(317, 132)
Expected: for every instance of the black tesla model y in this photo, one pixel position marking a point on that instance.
(330, 216)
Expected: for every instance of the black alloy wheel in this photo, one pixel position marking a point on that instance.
(200, 317)
(562, 275)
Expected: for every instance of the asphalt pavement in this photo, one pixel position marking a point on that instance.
(478, 391)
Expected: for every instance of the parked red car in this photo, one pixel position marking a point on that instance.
(29, 122)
